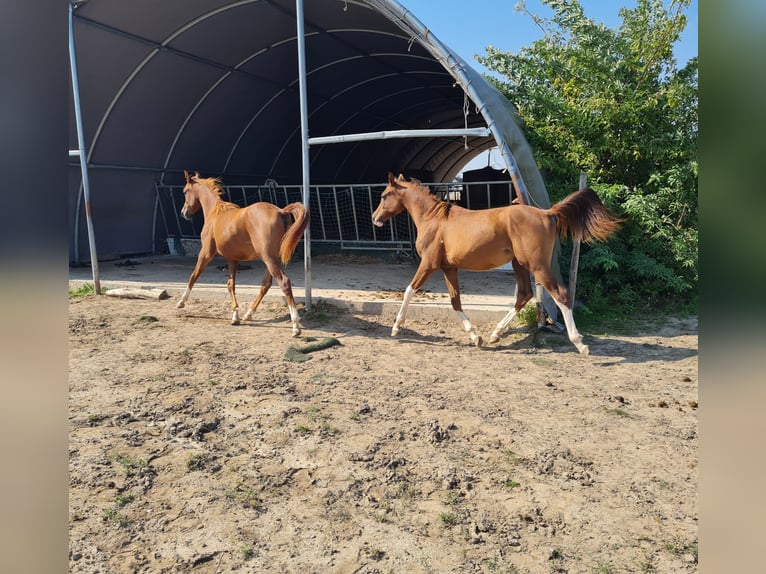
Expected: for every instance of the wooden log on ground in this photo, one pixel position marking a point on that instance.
(129, 293)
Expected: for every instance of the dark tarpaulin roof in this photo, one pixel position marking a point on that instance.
(213, 86)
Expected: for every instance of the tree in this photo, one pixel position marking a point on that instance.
(613, 104)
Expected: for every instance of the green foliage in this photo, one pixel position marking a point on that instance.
(613, 104)
(84, 290)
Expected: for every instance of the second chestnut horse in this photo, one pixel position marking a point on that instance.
(451, 237)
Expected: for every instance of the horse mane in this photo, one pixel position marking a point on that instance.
(439, 208)
(214, 184)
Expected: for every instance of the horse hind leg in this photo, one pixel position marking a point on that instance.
(453, 286)
(560, 295)
(276, 271)
(523, 295)
(265, 286)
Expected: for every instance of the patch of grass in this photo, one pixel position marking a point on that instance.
(246, 496)
(448, 518)
(454, 497)
(93, 420)
(322, 312)
(147, 319)
(375, 554)
(84, 290)
(197, 461)
(326, 429)
(511, 456)
(510, 483)
(302, 429)
(604, 568)
(620, 412)
(679, 547)
(556, 554)
(123, 499)
(114, 516)
(647, 566)
(131, 465)
(248, 552)
(316, 416)
(528, 315)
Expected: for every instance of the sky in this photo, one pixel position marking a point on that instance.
(469, 27)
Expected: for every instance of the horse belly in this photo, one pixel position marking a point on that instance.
(234, 244)
(479, 256)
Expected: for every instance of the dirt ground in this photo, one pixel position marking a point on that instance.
(201, 447)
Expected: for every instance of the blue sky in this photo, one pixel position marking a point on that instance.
(469, 27)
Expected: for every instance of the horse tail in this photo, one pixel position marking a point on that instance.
(294, 232)
(582, 216)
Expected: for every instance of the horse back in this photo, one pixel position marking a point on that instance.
(247, 233)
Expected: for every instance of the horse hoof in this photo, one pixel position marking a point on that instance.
(180, 305)
(479, 342)
(247, 316)
(296, 334)
(493, 339)
(235, 321)
(394, 332)
(584, 351)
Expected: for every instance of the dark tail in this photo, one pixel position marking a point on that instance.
(582, 216)
(295, 232)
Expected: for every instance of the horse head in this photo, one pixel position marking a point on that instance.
(191, 195)
(391, 203)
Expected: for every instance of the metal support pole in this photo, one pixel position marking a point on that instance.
(301, 37)
(83, 156)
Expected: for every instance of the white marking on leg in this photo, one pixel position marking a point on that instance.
(408, 293)
(295, 320)
(235, 317)
(468, 328)
(572, 332)
(184, 298)
(248, 315)
(502, 326)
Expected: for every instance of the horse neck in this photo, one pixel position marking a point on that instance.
(208, 199)
(418, 201)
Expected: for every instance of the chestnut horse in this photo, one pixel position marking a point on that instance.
(451, 237)
(260, 230)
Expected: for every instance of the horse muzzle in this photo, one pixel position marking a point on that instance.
(378, 220)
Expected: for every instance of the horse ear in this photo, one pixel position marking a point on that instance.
(197, 175)
(401, 177)
(187, 176)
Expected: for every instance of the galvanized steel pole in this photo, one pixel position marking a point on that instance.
(304, 145)
(81, 153)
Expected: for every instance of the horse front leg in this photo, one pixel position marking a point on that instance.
(421, 276)
(523, 295)
(203, 259)
(231, 286)
(453, 286)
